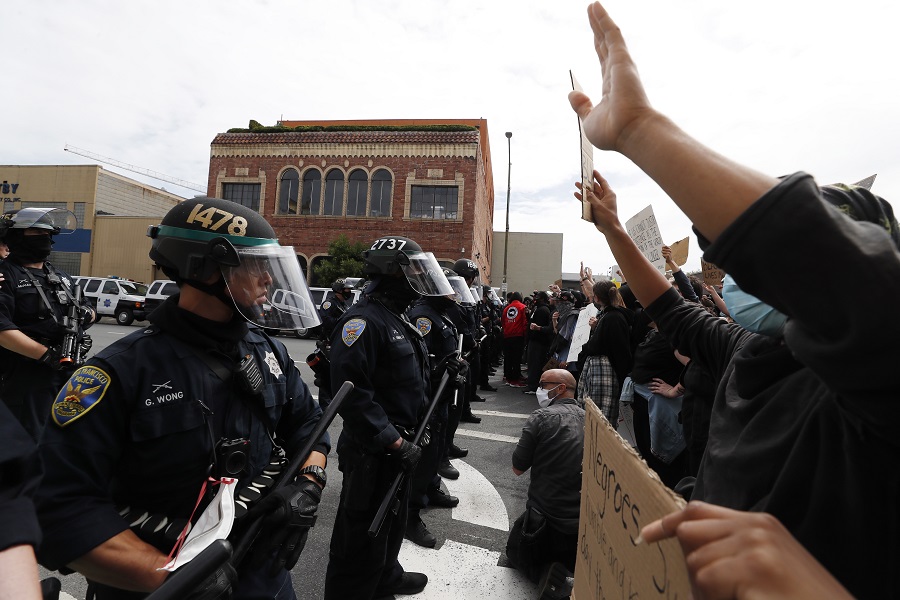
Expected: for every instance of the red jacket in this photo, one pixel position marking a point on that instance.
(514, 319)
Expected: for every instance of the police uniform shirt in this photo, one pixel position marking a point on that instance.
(135, 427)
(385, 358)
(21, 305)
(330, 312)
(438, 331)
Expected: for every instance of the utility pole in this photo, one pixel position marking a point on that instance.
(504, 288)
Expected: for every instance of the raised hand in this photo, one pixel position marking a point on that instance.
(624, 103)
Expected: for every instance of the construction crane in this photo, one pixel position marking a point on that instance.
(135, 169)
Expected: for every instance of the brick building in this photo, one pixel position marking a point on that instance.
(429, 180)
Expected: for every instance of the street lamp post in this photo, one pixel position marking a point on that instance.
(504, 287)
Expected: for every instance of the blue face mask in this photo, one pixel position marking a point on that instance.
(750, 312)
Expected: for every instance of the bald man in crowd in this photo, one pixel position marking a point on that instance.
(544, 538)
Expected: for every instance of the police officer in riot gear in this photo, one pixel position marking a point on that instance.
(377, 348)
(430, 316)
(36, 300)
(466, 323)
(203, 391)
(334, 306)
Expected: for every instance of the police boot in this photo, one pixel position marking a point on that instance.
(456, 452)
(417, 533)
(438, 498)
(410, 583)
(447, 471)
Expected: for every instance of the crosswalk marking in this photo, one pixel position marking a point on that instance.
(479, 501)
(463, 572)
(483, 435)
(496, 413)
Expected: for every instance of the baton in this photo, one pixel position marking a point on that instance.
(187, 578)
(390, 497)
(288, 475)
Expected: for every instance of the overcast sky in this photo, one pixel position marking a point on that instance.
(781, 85)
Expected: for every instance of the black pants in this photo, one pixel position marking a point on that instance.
(425, 478)
(537, 358)
(358, 565)
(512, 357)
(532, 552)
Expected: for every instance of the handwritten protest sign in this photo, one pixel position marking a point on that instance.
(587, 159)
(619, 495)
(582, 331)
(680, 251)
(643, 229)
(712, 275)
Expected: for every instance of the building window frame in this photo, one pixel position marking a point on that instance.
(222, 179)
(292, 200)
(388, 214)
(457, 182)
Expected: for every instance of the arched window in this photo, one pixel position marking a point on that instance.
(382, 185)
(356, 193)
(312, 192)
(334, 193)
(288, 192)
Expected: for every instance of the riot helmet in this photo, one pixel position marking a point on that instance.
(204, 237)
(340, 286)
(466, 269)
(55, 220)
(461, 293)
(32, 249)
(395, 255)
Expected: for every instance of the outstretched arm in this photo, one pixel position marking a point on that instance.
(644, 279)
(710, 189)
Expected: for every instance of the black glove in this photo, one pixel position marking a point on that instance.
(51, 357)
(408, 454)
(289, 513)
(217, 586)
(454, 366)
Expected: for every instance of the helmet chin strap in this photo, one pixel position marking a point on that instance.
(216, 289)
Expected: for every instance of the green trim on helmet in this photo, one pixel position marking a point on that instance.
(193, 234)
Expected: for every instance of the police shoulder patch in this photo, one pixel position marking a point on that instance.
(84, 390)
(326, 305)
(423, 324)
(352, 331)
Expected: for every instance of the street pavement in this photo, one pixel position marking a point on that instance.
(469, 560)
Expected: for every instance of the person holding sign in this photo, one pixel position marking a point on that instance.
(796, 430)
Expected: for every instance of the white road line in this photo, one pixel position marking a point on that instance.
(487, 436)
(495, 413)
(479, 501)
(463, 572)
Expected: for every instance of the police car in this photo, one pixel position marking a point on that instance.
(114, 297)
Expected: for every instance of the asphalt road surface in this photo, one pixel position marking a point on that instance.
(469, 560)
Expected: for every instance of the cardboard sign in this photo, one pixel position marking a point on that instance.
(587, 160)
(712, 275)
(680, 251)
(643, 229)
(582, 331)
(619, 495)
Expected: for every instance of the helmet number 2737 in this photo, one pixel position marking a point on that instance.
(389, 243)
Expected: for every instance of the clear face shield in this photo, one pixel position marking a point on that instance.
(268, 288)
(59, 220)
(462, 295)
(424, 274)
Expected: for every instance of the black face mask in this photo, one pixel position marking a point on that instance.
(30, 248)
